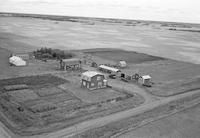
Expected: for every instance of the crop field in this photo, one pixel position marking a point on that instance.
(38, 104)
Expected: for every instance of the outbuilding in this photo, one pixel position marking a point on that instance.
(108, 69)
(70, 64)
(122, 64)
(17, 61)
(93, 80)
(146, 80)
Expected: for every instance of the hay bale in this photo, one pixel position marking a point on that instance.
(15, 87)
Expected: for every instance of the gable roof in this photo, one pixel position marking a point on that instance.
(89, 74)
(17, 61)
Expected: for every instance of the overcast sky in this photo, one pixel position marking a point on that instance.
(160, 10)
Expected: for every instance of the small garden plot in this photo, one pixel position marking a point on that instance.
(48, 91)
(23, 95)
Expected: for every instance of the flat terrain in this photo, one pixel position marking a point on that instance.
(181, 125)
(44, 103)
(154, 38)
(128, 56)
(42, 99)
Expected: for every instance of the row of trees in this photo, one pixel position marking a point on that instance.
(48, 53)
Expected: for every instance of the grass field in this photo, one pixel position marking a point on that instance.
(181, 125)
(26, 34)
(128, 56)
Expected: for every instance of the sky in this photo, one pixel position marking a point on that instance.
(157, 10)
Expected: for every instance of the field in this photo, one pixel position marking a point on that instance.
(27, 34)
(181, 125)
(128, 56)
(45, 103)
(40, 99)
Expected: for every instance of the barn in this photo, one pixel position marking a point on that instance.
(108, 69)
(93, 80)
(70, 64)
(17, 61)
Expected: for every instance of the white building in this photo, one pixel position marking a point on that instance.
(122, 63)
(146, 80)
(17, 61)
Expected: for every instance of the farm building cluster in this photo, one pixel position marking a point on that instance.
(90, 79)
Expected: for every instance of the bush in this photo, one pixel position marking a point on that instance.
(48, 53)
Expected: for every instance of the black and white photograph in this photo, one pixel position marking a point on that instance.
(99, 69)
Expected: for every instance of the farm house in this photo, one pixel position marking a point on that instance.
(17, 61)
(70, 64)
(108, 69)
(93, 80)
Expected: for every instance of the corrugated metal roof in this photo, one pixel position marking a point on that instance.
(109, 68)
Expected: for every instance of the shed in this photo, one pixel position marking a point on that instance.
(122, 63)
(70, 64)
(93, 80)
(108, 69)
(146, 80)
(17, 61)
